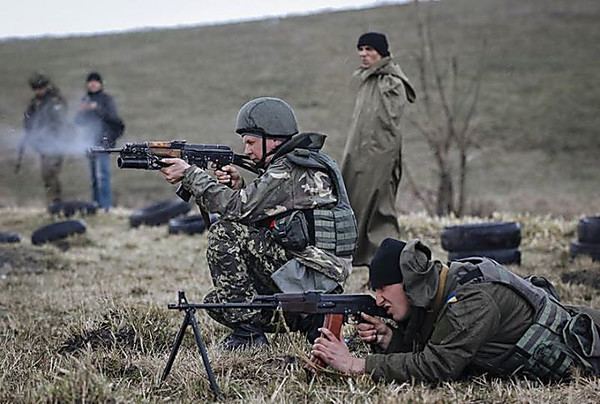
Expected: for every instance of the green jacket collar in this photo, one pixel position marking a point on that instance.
(306, 140)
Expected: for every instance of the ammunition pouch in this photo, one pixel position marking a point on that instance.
(583, 336)
(335, 231)
(291, 231)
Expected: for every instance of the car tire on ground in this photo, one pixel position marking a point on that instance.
(159, 213)
(193, 224)
(57, 231)
(9, 237)
(589, 249)
(481, 236)
(588, 230)
(502, 256)
(69, 208)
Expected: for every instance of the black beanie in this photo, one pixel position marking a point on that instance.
(376, 41)
(385, 265)
(94, 76)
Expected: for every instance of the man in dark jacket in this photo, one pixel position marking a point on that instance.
(100, 121)
(470, 318)
(45, 127)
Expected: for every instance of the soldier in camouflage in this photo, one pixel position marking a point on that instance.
(277, 233)
(44, 123)
(470, 318)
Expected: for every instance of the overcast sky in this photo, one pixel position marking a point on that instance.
(22, 18)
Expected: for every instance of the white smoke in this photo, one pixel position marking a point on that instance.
(72, 140)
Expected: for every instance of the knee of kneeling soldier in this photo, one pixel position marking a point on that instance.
(223, 230)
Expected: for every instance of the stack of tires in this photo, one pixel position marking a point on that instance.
(192, 224)
(159, 213)
(588, 238)
(499, 241)
(70, 208)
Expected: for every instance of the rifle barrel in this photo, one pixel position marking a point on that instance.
(183, 306)
(96, 149)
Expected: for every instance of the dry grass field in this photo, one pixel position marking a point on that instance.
(85, 320)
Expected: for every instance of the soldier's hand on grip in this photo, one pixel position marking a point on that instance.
(334, 352)
(173, 173)
(230, 176)
(373, 330)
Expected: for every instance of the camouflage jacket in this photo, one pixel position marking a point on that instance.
(284, 186)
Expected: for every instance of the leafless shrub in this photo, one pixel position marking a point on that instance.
(447, 111)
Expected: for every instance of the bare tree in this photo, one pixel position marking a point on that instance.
(448, 102)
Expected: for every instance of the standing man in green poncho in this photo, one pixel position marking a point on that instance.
(372, 163)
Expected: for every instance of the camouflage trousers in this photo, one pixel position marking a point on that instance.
(241, 259)
(50, 166)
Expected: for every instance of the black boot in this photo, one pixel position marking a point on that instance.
(245, 336)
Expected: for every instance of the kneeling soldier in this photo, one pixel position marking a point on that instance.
(290, 230)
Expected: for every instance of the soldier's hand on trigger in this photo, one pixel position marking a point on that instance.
(230, 176)
(175, 170)
(372, 330)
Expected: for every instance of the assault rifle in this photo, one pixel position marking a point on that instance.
(149, 155)
(336, 308)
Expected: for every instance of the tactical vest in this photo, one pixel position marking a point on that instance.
(333, 229)
(541, 352)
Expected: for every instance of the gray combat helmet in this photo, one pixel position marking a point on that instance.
(267, 116)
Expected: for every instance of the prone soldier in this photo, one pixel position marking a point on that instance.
(472, 317)
(277, 233)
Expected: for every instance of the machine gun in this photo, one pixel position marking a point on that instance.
(336, 308)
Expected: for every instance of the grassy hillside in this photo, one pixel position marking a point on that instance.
(85, 320)
(538, 111)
